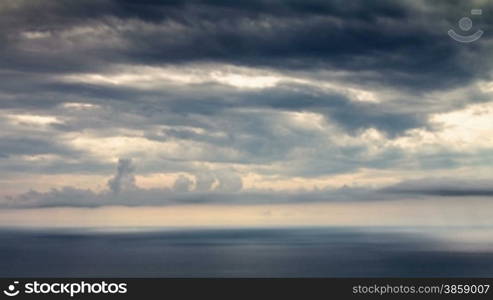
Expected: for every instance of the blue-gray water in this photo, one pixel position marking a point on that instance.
(315, 252)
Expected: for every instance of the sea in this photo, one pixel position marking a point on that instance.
(247, 252)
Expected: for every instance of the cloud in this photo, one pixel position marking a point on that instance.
(74, 197)
(407, 38)
(204, 181)
(124, 178)
(226, 187)
(182, 184)
(123, 190)
(443, 187)
(229, 182)
(287, 90)
(13, 146)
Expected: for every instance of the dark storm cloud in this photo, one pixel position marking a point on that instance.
(403, 42)
(399, 43)
(350, 115)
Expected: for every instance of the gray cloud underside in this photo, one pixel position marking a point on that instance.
(399, 40)
(443, 187)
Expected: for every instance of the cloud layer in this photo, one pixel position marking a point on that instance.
(259, 101)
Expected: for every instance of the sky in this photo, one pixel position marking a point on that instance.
(245, 113)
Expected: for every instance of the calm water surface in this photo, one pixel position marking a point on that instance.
(290, 252)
